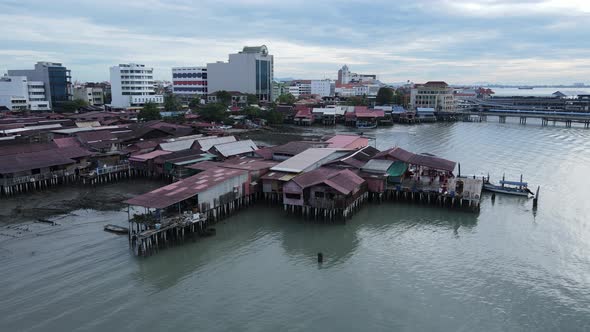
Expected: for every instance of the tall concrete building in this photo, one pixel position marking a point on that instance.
(434, 94)
(55, 77)
(132, 85)
(18, 93)
(189, 82)
(249, 71)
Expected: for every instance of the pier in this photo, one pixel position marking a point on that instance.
(567, 118)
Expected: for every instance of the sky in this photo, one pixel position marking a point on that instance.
(458, 41)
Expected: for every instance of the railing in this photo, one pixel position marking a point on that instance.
(110, 169)
(34, 178)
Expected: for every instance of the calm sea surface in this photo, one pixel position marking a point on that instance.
(393, 267)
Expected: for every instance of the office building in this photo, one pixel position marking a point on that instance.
(132, 85)
(249, 71)
(434, 94)
(322, 88)
(17, 93)
(56, 81)
(189, 82)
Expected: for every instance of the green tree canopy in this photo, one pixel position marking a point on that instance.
(273, 117)
(213, 112)
(357, 101)
(172, 104)
(252, 99)
(252, 112)
(223, 97)
(72, 106)
(385, 96)
(195, 102)
(149, 112)
(286, 98)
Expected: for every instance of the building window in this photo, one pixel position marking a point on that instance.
(292, 196)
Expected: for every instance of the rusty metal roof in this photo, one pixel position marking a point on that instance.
(185, 189)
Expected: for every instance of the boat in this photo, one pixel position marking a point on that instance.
(517, 188)
(366, 125)
(116, 229)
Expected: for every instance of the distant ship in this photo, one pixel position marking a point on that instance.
(525, 88)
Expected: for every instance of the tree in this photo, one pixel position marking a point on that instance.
(286, 98)
(172, 104)
(72, 106)
(357, 101)
(223, 97)
(149, 112)
(252, 112)
(385, 96)
(213, 112)
(252, 99)
(273, 117)
(195, 102)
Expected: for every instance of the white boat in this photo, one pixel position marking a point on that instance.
(517, 188)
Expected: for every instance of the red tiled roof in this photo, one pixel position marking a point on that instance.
(265, 153)
(342, 141)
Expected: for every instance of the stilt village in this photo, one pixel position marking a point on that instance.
(324, 180)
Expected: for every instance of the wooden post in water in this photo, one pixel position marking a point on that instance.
(536, 199)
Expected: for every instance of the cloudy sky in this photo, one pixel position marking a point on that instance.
(460, 41)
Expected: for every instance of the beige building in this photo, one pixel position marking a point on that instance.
(433, 94)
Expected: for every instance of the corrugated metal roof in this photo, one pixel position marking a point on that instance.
(308, 159)
(235, 148)
(249, 164)
(377, 166)
(29, 128)
(148, 156)
(207, 143)
(40, 159)
(343, 180)
(342, 141)
(184, 144)
(184, 189)
(79, 130)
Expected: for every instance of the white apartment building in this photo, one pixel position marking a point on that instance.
(345, 76)
(300, 88)
(17, 93)
(189, 82)
(434, 94)
(132, 85)
(94, 96)
(249, 71)
(322, 88)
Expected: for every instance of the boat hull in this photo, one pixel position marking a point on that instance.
(507, 191)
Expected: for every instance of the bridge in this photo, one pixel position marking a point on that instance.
(523, 114)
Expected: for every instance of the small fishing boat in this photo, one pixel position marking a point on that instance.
(517, 188)
(116, 229)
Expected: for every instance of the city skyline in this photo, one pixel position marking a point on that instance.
(496, 41)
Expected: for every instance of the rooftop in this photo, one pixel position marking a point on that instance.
(184, 189)
(235, 148)
(308, 159)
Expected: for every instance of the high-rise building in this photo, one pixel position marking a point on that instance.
(132, 85)
(434, 94)
(18, 93)
(189, 82)
(249, 71)
(55, 77)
